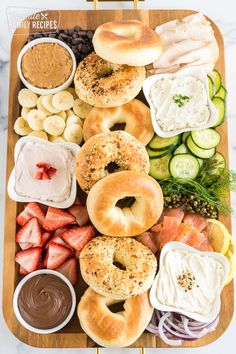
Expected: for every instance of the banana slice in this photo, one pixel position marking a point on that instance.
(41, 107)
(54, 125)
(27, 98)
(73, 119)
(35, 119)
(21, 126)
(81, 108)
(24, 112)
(57, 139)
(47, 102)
(39, 134)
(73, 133)
(63, 100)
(62, 114)
(72, 91)
(69, 113)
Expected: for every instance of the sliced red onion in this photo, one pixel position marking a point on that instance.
(166, 324)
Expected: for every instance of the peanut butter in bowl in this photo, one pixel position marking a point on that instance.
(47, 65)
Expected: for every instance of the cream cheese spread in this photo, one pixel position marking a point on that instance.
(190, 281)
(180, 102)
(56, 189)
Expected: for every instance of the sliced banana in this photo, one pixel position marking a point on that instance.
(73, 133)
(69, 113)
(47, 102)
(24, 112)
(54, 125)
(72, 91)
(57, 139)
(63, 100)
(73, 119)
(81, 108)
(62, 114)
(21, 126)
(35, 118)
(27, 98)
(39, 134)
(41, 107)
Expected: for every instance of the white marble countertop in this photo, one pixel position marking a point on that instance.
(223, 13)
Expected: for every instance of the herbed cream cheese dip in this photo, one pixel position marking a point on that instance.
(190, 281)
(180, 102)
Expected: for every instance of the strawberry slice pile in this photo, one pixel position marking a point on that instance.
(44, 171)
(52, 239)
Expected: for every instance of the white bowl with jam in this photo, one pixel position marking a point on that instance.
(44, 301)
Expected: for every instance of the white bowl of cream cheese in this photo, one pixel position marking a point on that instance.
(180, 102)
(189, 282)
(59, 191)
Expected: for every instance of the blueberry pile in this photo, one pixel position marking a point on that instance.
(79, 40)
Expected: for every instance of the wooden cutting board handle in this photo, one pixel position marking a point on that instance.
(95, 3)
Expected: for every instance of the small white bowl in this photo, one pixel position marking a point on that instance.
(198, 73)
(38, 90)
(196, 316)
(17, 292)
(11, 182)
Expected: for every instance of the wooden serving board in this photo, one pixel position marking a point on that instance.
(72, 335)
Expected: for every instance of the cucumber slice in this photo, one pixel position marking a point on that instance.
(206, 138)
(222, 93)
(157, 143)
(158, 154)
(211, 87)
(184, 166)
(159, 168)
(216, 77)
(184, 136)
(200, 161)
(182, 149)
(197, 151)
(221, 109)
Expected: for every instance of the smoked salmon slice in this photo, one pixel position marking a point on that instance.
(148, 240)
(170, 227)
(195, 220)
(174, 212)
(190, 236)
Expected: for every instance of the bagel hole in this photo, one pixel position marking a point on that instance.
(118, 126)
(104, 72)
(117, 307)
(119, 265)
(126, 202)
(112, 167)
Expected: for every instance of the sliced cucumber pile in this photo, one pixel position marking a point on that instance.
(184, 166)
(199, 152)
(182, 149)
(218, 95)
(206, 138)
(159, 144)
(159, 168)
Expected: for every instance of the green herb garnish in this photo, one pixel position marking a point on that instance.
(180, 100)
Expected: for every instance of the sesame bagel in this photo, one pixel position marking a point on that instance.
(116, 149)
(110, 218)
(99, 272)
(110, 329)
(103, 84)
(134, 114)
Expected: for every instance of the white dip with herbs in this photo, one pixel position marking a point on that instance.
(190, 281)
(180, 102)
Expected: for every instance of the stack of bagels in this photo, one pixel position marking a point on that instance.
(112, 168)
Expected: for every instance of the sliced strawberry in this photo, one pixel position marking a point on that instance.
(29, 259)
(30, 232)
(45, 176)
(45, 238)
(69, 270)
(57, 254)
(56, 218)
(44, 171)
(51, 172)
(78, 237)
(80, 213)
(60, 231)
(45, 261)
(38, 175)
(77, 255)
(23, 271)
(32, 210)
(25, 245)
(43, 165)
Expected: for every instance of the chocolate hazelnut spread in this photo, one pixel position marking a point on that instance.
(44, 301)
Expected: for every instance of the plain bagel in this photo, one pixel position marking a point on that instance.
(104, 84)
(103, 276)
(127, 42)
(134, 114)
(112, 220)
(110, 329)
(117, 150)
